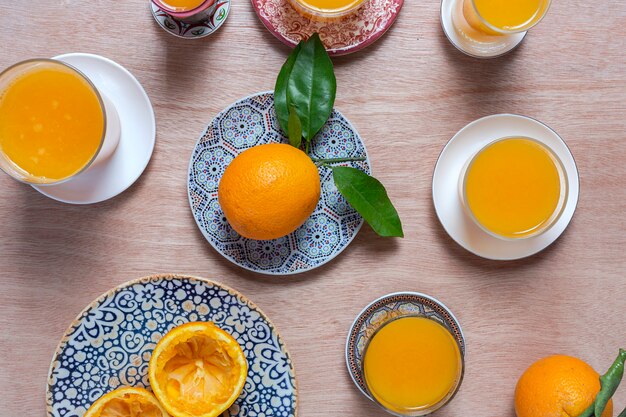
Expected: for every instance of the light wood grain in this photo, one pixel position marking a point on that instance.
(407, 95)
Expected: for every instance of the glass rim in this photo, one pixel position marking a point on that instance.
(184, 13)
(430, 409)
(509, 32)
(84, 77)
(304, 7)
(559, 209)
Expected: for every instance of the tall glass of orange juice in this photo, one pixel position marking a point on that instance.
(54, 124)
(487, 20)
(412, 365)
(514, 188)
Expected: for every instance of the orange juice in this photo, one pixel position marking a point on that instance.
(323, 9)
(51, 121)
(411, 364)
(182, 5)
(513, 187)
(503, 15)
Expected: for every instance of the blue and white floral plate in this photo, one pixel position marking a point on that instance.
(332, 226)
(110, 343)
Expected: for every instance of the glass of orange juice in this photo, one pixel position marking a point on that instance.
(514, 188)
(189, 11)
(412, 365)
(54, 123)
(323, 10)
(490, 28)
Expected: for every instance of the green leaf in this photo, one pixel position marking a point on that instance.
(294, 128)
(368, 196)
(312, 86)
(609, 382)
(280, 89)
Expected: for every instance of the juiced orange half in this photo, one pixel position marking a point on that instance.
(127, 402)
(197, 370)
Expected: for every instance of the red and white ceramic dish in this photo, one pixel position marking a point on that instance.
(342, 36)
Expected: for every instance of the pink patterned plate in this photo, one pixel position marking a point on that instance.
(343, 36)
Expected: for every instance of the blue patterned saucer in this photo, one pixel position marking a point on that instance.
(332, 226)
(110, 343)
(384, 309)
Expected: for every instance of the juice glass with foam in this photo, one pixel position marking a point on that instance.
(54, 123)
(189, 11)
(412, 365)
(488, 20)
(514, 188)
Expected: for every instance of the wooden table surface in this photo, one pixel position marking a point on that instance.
(407, 95)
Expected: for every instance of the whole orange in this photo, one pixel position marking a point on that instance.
(268, 191)
(557, 386)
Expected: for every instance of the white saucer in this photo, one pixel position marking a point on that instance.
(453, 158)
(501, 46)
(138, 131)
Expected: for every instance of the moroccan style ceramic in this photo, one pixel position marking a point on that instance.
(109, 345)
(340, 36)
(328, 231)
(195, 30)
(450, 166)
(388, 307)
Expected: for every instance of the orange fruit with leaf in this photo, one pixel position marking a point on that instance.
(269, 190)
(558, 386)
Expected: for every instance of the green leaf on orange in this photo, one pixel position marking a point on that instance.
(280, 89)
(369, 198)
(312, 86)
(294, 128)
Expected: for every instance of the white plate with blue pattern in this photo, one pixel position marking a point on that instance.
(109, 345)
(330, 229)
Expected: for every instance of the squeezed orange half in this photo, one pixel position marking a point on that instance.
(51, 121)
(412, 363)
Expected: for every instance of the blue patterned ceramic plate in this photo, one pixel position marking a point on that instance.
(332, 226)
(382, 310)
(110, 343)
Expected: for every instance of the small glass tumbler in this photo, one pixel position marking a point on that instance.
(195, 15)
(110, 132)
(545, 226)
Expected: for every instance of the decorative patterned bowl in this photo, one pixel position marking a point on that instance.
(196, 29)
(341, 36)
(328, 231)
(388, 307)
(110, 343)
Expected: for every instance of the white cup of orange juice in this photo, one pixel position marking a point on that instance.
(188, 11)
(514, 188)
(54, 123)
